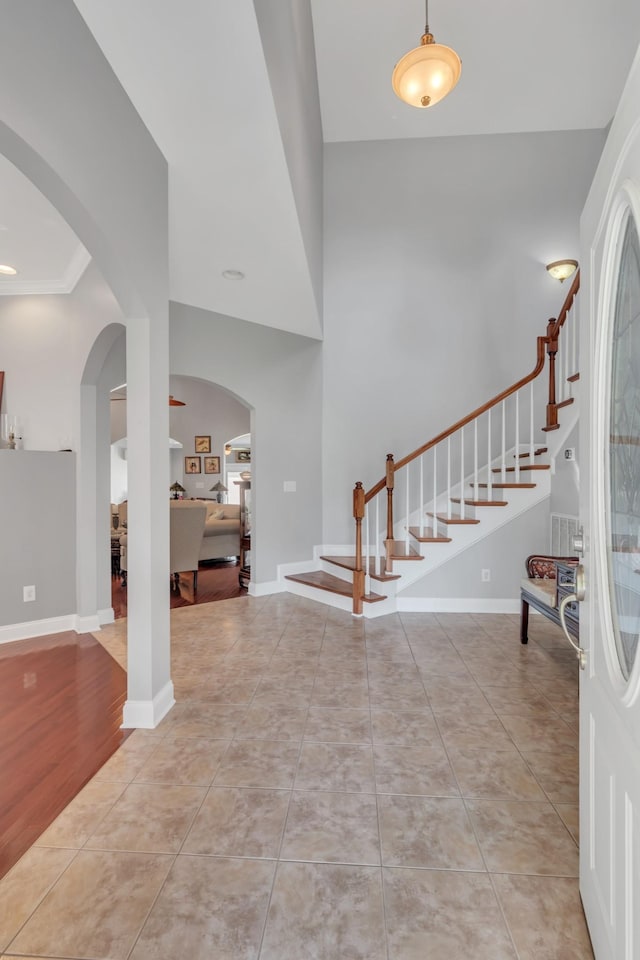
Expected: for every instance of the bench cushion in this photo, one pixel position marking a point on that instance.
(543, 590)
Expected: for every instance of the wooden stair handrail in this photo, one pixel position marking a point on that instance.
(537, 370)
(568, 303)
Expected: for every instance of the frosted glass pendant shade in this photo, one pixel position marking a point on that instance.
(426, 74)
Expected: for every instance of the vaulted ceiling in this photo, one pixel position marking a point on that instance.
(208, 80)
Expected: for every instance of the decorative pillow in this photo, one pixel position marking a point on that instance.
(216, 515)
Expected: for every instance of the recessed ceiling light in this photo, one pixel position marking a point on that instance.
(7, 271)
(233, 274)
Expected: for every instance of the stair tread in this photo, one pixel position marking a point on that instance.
(400, 550)
(326, 581)
(349, 563)
(573, 378)
(565, 403)
(524, 466)
(538, 452)
(482, 503)
(443, 518)
(428, 535)
(556, 426)
(507, 486)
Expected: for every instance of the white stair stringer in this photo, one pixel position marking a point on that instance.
(434, 554)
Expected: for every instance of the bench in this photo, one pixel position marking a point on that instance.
(548, 580)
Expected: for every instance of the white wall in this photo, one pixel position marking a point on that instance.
(279, 375)
(435, 287)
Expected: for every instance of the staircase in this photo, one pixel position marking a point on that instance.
(474, 477)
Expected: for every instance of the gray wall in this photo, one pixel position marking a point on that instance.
(502, 552)
(435, 287)
(279, 376)
(565, 482)
(38, 524)
(286, 31)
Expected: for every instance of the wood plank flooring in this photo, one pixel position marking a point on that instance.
(61, 700)
(216, 581)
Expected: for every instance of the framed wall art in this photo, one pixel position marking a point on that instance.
(212, 464)
(192, 465)
(202, 445)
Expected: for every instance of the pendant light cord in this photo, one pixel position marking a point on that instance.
(426, 16)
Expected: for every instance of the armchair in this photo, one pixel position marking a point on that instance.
(539, 589)
(186, 526)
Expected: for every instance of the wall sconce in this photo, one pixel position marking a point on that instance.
(177, 489)
(561, 269)
(227, 449)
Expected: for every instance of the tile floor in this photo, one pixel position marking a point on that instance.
(325, 788)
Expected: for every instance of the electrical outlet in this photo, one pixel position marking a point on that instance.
(570, 453)
(28, 594)
(289, 486)
(486, 575)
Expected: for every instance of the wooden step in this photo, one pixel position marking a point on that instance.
(564, 403)
(507, 486)
(482, 503)
(326, 581)
(555, 426)
(443, 518)
(349, 563)
(428, 535)
(400, 550)
(536, 453)
(573, 378)
(525, 466)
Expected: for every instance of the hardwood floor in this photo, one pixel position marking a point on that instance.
(216, 581)
(61, 700)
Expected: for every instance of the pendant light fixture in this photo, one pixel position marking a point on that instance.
(427, 73)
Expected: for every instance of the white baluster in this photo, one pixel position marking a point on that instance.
(367, 552)
(406, 536)
(475, 459)
(504, 440)
(377, 544)
(518, 437)
(574, 340)
(421, 503)
(449, 477)
(489, 458)
(532, 441)
(462, 503)
(434, 525)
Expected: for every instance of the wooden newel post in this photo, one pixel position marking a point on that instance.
(552, 349)
(358, 573)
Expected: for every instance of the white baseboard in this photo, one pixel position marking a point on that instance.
(147, 714)
(456, 605)
(106, 616)
(37, 628)
(87, 624)
(266, 589)
(300, 566)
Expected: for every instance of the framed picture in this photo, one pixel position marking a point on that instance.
(243, 456)
(192, 465)
(203, 445)
(212, 464)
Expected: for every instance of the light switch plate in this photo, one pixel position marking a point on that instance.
(289, 486)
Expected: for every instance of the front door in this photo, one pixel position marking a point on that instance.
(610, 513)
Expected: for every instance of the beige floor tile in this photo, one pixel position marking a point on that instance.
(239, 822)
(265, 721)
(401, 726)
(545, 917)
(282, 693)
(336, 766)
(519, 837)
(128, 760)
(415, 769)
(186, 761)
(202, 720)
(427, 832)
(569, 813)
(557, 773)
(463, 730)
(23, 888)
(519, 703)
(325, 912)
(149, 818)
(494, 775)
(209, 908)
(236, 691)
(338, 725)
(332, 827)
(97, 907)
(443, 916)
(542, 735)
(259, 763)
(338, 693)
(80, 818)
